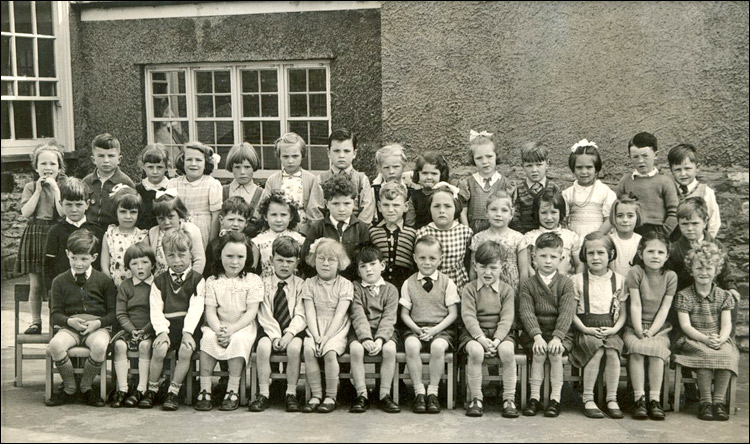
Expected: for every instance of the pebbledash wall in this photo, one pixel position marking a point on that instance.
(424, 74)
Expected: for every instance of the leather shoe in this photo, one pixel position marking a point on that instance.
(705, 411)
(532, 407)
(171, 403)
(387, 405)
(60, 398)
(203, 403)
(292, 405)
(720, 412)
(231, 401)
(433, 405)
(509, 409)
(361, 404)
(92, 398)
(614, 412)
(311, 407)
(595, 413)
(261, 403)
(327, 407)
(420, 405)
(133, 399)
(640, 411)
(655, 412)
(475, 410)
(553, 409)
(147, 401)
(34, 329)
(118, 399)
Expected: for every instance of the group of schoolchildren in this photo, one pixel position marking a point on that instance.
(488, 268)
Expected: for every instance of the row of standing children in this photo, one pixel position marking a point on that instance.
(586, 198)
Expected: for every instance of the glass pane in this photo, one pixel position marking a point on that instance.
(26, 88)
(319, 133)
(271, 132)
(5, 17)
(205, 106)
(44, 18)
(297, 80)
(270, 161)
(250, 106)
(299, 127)
(269, 81)
(249, 81)
(25, 56)
(203, 78)
(159, 75)
(317, 79)
(44, 120)
(46, 57)
(251, 132)
(5, 114)
(298, 105)
(22, 120)
(7, 89)
(225, 132)
(180, 81)
(222, 82)
(6, 58)
(270, 105)
(223, 152)
(48, 89)
(318, 157)
(22, 14)
(206, 132)
(161, 107)
(318, 105)
(223, 106)
(181, 106)
(170, 133)
(159, 87)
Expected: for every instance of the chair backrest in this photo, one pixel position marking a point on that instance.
(21, 295)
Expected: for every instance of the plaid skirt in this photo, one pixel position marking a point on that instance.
(31, 250)
(657, 346)
(584, 346)
(693, 354)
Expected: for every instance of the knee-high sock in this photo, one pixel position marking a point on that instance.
(316, 385)
(535, 380)
(90, 370)
(67, 373)
(121, 370)
(474, 378)
(143, 366)
(612, 378)
(556, 381)
(509, 382)
(590, 374)
(721, 382)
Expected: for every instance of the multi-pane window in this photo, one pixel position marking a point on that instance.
(32, 87)
(222, 105)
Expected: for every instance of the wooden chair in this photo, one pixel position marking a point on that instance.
(521, 371)
(449, 375)
(679, 380)
(22, 295)
(78, 356)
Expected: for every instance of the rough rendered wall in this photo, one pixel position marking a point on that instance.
(109, 56)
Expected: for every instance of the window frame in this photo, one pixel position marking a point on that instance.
(235, 69)
(62, 103)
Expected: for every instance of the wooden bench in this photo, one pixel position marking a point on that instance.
(22, 295)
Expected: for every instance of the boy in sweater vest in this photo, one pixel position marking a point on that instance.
(176, 306)
(547, 308)
(282, 320)
(429, 301)
(683, 164)
(373, 312)
(83, 307)
(656, 192)
(535, 161)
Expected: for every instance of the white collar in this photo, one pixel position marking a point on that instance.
(547, 279)
(149, 280)
(557, 230)
(103, 179)
(433, 276)
(542, 182)
(584, 187)
(348, 170)
(377, 284)
(651, 173)
(161, 186)
(76, 224)
(480, 180)
(183, 275)
(234, 185)
(692, 186)
(453, 225)
(87, 272)
(298, 173)
(399, 224)
(607, 275)
(336, 222)
(276, 280)
(495, 285)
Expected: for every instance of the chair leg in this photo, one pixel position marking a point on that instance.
(396, 380)
(243, 385)
(253, 381)
(733, 395)
(103, 380)
(546, 383)
(665, 387)
(524, 383)
(48, 377)
(19, 365)
(450, 383)
(677, 387)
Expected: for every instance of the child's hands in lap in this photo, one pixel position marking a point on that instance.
(369, 346)
(378, 347)
(555, 346)
(77, 324)
(92, 326)
(540, 346)
(283, 343)
(606, 332)
(487, 344)
(714, 341)
(321, 343)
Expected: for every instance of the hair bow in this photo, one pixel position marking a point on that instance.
(582, 142)
(168, 192)
(216, 158)
(452, 188)
(473, 135)
(117, 188)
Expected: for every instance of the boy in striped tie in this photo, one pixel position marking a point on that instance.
(282, 321)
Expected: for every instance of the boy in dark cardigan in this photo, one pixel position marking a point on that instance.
(83, 307)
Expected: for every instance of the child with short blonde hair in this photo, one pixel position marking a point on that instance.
(389, 161)
(624, 218)
(683, 164)
(170, 214)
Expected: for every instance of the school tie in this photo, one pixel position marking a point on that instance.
(427, 284)
(80, 279)
(340, 228)
(281, 307)
(177, 279)
(536, 188)
(373, 290)
(683, 190)
(486, 186)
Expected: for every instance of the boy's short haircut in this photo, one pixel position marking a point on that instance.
(609, 244)
(707, 253)
(548, 240)
(177, 240)
(552, 196)
(432, 158)
(642, 140)
(338, 185)
(330, 246)
(679, 153)
(128, 199)
(428, 241)
(165, 204)
(105, 141)
(626, 199)
(154, 153)
(367, 253)
(489, 252)
(341, 135)
(236, 205)
(392, 150)
(240, 153)
(290, 139)
(533, 152)
(286, 246)
(137, 251)
(74, 190)
(392, 190)
(693, 205)
(82, 241)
